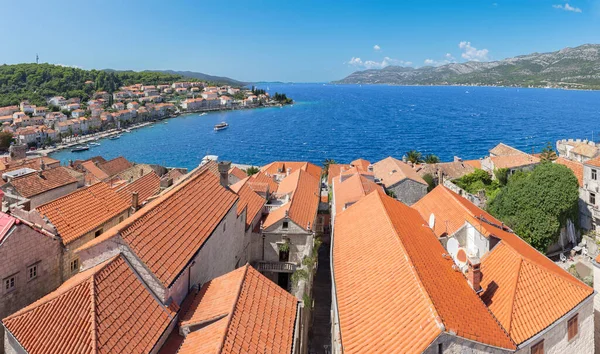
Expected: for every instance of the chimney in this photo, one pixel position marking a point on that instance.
(224, 167)
(134, 200)
(474, 273)
(289, 170)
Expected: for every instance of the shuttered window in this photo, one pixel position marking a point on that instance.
(573, 326)
(538, 348)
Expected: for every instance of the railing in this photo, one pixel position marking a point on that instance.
(278, 267)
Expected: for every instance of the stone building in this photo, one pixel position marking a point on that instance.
(29, 265)
(190, 234)
(37, 188)
(253, 205)
(401, 179)
(79, 217)
(577, 150)
(506, 157)
(590, 195)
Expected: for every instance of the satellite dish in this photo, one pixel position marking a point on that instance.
(461, 257)
(452, 246)
(431, 221)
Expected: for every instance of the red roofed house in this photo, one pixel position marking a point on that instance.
(189, 235)
(79, 217)
(401, 179)
(504, 156)
(29, 265)
(396, 291)
(539, 304)
(236, 175)
(105, 309)
(241, 311)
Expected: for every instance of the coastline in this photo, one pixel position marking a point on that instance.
(456, 85)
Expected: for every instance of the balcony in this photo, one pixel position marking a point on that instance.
(277, 267)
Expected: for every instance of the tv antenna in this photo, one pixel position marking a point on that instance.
(37, 58)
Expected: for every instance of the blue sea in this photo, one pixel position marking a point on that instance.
(345, 122)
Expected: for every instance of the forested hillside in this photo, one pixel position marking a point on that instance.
(36, 82)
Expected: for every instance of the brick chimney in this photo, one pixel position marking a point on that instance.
(224, 167)
(474, 273)
(134, 201)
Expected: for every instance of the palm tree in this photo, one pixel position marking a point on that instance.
(431, 158)
(326, 165)
(414, 156)
(548, 153)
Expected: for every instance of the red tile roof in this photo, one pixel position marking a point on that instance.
(84, 210)
(251, 314)
(304, 200)
(37, 183)
(505, 150)
(393, 282)
(282, 167)
(251, 201)
(33, 163)
(146, 186)
(93, 173)
(352, 190)
(576, 167)
(115, 166)
(106, 309)
(593, 162)
(264, 179)
(520, 272)
(169, 230)
(513, 161)
(474, 163)
(237, 172)
(391, 171)
(334, 171)
(361, 164)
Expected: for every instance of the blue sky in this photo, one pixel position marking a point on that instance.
(300, 41)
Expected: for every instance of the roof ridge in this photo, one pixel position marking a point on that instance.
(93, 323)
(233, 306)
(425, 294)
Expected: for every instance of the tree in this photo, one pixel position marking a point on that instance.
(548, 153)
(252, 170)
(537, 204)
(431, 158)
(6, 138)
(501, 176)
(430, 182)
(326, 164)
(414, 156)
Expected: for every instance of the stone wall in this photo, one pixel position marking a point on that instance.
(408, 191)
(450, 344)
(52, 195)
(11, 345)
(22, 248)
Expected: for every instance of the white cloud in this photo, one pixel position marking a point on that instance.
(371, 64)
(567, 7)
(449, 56)
(471, 53)
(376, 47)
(430, 62)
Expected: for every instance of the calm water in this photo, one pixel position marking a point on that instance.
(372, 122)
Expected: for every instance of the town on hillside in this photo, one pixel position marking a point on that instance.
(65, 119)
(401, 255)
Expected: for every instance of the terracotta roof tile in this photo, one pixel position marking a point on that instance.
(264, 179)
(352, 190)
(576, 167)
(361, 164)
(105, 309)
(84, 210)
(169, 230)
(474, 163)
(517, 268)
(282, 167)
(593, 162)
(251, 201)
(33, 163)
(304, 200)
(391, 171)
(334, 171)
(237, 172)
(586, 150)
(505, 150)
(115, 166)
(513, 161)
(146, 187)
(450, 170)
(390, 271)
(93, 174)
(34, 184)
(253, 315)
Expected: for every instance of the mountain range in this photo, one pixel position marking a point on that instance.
(576, 68)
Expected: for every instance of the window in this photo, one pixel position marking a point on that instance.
(538, 348)
(573, 326)
(9, 283)
(98, 232)
(440, 348)
(285, 225)
(594, 174)
(32, 272)
(75, 265)
(121, 218)
(592, 198)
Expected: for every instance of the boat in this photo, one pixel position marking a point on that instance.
(127, 131)
(166, 123)
(202, 114)
(79, 148)
(94, 144)
(221, 126)
(115, 137)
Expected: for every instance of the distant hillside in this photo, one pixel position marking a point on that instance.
(567, 68)
(203, 77)
(36, 82)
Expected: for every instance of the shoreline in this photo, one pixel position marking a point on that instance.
(455, 85)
